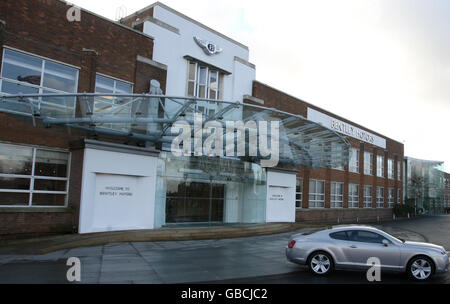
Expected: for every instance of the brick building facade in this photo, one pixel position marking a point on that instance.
(271, 97)
(98, 51)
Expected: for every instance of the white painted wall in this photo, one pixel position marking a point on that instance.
(101, 211)
(170, 48)
(280, 196)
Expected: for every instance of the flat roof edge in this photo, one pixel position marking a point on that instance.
(337, 116)
(186, 18)
(109, 20)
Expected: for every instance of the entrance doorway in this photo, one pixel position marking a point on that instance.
(194, 202)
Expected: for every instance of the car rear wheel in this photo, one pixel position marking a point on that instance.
(420, 268)
(320, 263)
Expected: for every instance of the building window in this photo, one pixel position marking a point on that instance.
(380, 197)
(28, 74)
(33, 176)
(336, 152)
(316, 193)
(399, 170)
(391, 199)
(337, 195)
(204, 82)
(391, 171)
(354, 161)
(120, 106)
(368, 163)
(367, 196)
(299, 193)
(353, 196)
(380, 166)
(399, 196)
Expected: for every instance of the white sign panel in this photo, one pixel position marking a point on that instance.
(280, 206)
(345, 128)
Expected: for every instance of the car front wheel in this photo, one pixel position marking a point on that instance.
(320, 263)
(420, 268)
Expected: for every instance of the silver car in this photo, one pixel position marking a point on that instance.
(350, 247)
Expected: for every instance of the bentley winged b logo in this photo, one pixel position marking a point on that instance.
(208, 47)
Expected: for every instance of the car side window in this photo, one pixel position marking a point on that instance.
(366, 236)
(340, 235)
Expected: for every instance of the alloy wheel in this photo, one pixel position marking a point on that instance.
(320, 263)
(421, 269)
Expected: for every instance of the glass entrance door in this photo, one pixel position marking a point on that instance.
(194, 202)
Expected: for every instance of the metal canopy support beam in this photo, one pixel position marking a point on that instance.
(302, 142)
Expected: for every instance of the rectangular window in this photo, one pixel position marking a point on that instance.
(399, 170)
(399, 196)
(353, 196)
(380, 197)
(391, 171)
(368, 163)
(204, 82)
(336, 151)
(316, 193)
(337, 195)
(380, 166)
(105, 104)
(33, 176)
(299, 193)
(367, 196)
(28, 74)
(354, 161)
(391, 198)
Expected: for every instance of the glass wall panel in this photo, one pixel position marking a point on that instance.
(209, 190)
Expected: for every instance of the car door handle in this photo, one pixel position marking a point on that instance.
(353, 246)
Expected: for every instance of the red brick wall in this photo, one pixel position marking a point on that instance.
(41, 27)
(343, 216)
(279, 100)
(31, 224)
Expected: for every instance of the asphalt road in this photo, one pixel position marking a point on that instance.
(434, 229)
(257, 260)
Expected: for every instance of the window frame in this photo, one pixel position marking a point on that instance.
(391, 198)
(351, 201)
(40, 88)
(365, 202)
(380, 199)
(335, 203)
(207, 85)
(399, 170)
(299, 193)
(355, 151)
(380, 166)
(368, 170)
(315, 201)
(391, 169)
(32, 177)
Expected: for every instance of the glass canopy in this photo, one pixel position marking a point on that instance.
(151, 118)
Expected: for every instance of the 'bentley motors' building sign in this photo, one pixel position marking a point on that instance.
(345, 128)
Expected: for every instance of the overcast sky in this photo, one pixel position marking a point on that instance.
(383, 64)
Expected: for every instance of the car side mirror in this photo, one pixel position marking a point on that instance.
(385, 242)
